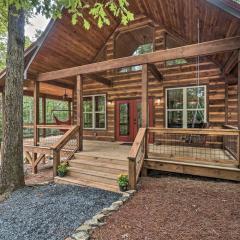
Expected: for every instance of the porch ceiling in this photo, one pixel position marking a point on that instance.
(68, 46)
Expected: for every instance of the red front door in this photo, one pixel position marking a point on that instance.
(129, 120)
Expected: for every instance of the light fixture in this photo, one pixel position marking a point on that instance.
(110, 103)
(65, 96)
(157, 101)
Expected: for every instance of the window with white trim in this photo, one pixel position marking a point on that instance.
(94, 112)
(186, 107)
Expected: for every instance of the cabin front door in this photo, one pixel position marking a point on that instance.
(129, 120)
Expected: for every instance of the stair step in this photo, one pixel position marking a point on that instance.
(88, 183)
(91, 175)
(99, 166)
(116, 160)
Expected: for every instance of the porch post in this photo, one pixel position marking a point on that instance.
(145, 120)
(36, 121)
(145, 96)
(69, 111)
(80, 111)
(44, 115)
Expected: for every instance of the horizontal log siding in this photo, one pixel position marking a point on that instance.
(128, 86)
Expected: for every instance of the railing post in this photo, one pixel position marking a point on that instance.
(132, 173)
(56, 161)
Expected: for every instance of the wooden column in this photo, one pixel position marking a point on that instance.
(35, 121)
(79, 92)
(44, 119)
(70, 111)
(145, 96)
(145, 115)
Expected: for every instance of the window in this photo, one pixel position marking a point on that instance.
(142, 49)
(94, 112)
(186, 107)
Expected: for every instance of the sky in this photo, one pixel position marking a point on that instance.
(37, 22)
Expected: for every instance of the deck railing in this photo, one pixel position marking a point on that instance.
(136, 157)
(198, 145)
(218, 147)
(58, 142)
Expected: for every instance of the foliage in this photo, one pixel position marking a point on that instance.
(62, 169)
(122, 180)
(78, 9)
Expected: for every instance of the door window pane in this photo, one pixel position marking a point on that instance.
(139, 115)
(175, 98)
(124, 119)
(195, 97)
(175, 119)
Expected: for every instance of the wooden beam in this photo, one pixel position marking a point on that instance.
(80, 111)
(100, 79)
(201, 49)
(153, 69)
(145, 96)
(231, 63)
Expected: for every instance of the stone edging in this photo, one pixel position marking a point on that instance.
(83, 232)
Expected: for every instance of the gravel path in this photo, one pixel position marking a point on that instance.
(50, 212)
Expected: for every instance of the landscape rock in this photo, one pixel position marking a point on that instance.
(81, 235)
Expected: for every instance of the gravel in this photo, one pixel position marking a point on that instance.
(50, 212)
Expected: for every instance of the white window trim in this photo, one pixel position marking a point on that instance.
(94, 112)
(185, 109)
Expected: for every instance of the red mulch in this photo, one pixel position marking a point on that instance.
(172, 207)
(45, 174)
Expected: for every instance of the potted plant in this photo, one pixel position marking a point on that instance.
(123, 182)
(62, 169)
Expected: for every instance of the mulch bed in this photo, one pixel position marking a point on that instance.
(173, 207)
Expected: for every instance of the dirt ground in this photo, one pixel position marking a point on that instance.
(45, 174)
(177, 208)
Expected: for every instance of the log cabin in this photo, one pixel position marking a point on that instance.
(162, 93)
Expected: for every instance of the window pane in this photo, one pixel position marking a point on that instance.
(175, 98)
(175, 119)
(195, 97)
(87, 119)
(195, 119)
(100, 120)
(87, 104)
(124, 119)
(99, 103)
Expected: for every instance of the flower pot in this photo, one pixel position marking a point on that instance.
(123, 188)
(61, 174)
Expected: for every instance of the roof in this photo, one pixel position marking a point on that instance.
(64, 45)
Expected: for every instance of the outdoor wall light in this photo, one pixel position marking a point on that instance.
(158, 101)
(110, 103)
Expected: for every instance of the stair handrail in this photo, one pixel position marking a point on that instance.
(58, 146)
(136, 157)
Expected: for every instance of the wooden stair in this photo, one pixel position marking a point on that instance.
(93, 171)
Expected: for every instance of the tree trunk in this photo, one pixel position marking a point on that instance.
(11, 172)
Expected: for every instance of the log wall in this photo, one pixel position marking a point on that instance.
(128, 86)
